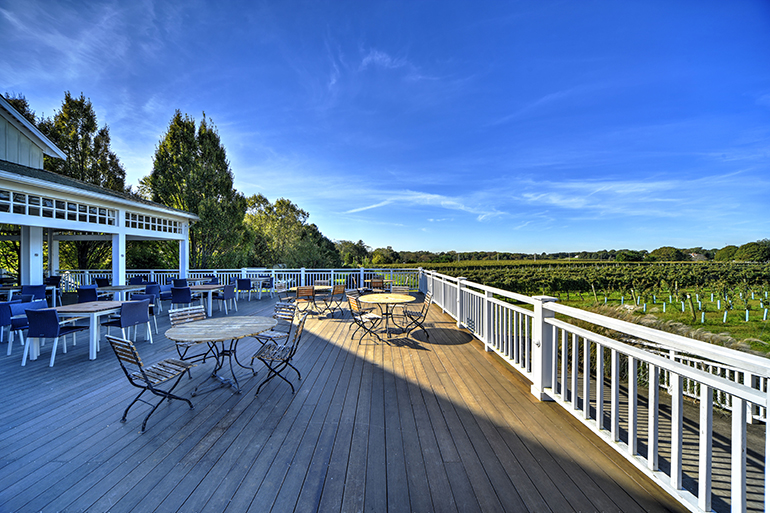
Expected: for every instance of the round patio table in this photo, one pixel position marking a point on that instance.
(384, 301)
(217, 332)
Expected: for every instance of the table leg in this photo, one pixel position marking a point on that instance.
(93, 335)
(219, 356)
(210, 301)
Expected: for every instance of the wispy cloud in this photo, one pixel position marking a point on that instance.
(415, 198)
(380, 59)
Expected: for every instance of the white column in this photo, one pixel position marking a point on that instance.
(53, 254)
(31, 258)
(184, 252)
(119, 259)
(542, 349)
(459, 300)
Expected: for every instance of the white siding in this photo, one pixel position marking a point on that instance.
(17, 148)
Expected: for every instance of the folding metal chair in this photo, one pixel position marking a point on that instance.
(363, 319)
(182, 316)
(416, 318)
(305, 296)
(277, 357)
(334, 300)
(284, 314)
(148, 378)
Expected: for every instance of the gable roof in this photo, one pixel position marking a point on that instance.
(28, 129)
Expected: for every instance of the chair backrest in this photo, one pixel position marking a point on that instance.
(399, 289)
(37, 291)
(153, 289)
(148, 297)
(228, 292)
(53, 280)
(355, 304)
(267, 281)
(298, 334)
(23, 298)
(213, 281)
(42, 323)
(184, 315)
(102, 282)
(243, 283)
(128, 357)
(5, 312)
(137, 280)
(134, 312)
(321, 283)
(378, 283)
(180, 282)
(181, 295)
(305, 292)
(87, 293)
(284, 311)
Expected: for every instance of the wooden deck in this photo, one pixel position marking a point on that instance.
(419, 425)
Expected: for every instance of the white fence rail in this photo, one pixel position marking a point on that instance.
(584, 372)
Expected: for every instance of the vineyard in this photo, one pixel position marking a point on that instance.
(711, 297)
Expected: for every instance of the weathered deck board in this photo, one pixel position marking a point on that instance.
(421, 425)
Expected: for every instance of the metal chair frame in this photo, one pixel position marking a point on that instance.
(416, 319)
(185, 315)
(333, 301)
(277, 357)
(361, 318)
(148, 378)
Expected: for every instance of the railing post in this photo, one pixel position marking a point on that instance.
(302, 277)
(243, 272)
(488, 328)
(460, 281)
(361, 277)
(542, 348)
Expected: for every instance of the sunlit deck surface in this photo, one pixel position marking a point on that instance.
(418, 425)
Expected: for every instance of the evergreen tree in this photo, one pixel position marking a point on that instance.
(191, 173)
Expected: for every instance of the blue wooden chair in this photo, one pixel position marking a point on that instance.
(37, 291)
(45, 324)
(152, 299)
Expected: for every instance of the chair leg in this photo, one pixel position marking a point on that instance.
(149, 331)
(53, 349)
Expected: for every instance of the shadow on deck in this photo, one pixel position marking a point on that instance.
(419, 425)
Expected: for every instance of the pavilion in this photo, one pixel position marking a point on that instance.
(49, 207)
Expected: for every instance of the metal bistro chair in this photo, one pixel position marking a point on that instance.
(363, 319)
(283, 292)
(227, 294)
(46, 324)
(185, 315)
(149, 378)
(398, 310)
(277, 357)
(334, 300)
(305, 296)
(378, 285)
(132, 314)
(284, 314)
(416, 318)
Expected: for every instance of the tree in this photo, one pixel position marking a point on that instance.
(753, 252)
(384, 256)
(726, 254)
(75, 131)
(353, 253)
(19, 102)
(667, 254)
(628, 255)
(191, 172)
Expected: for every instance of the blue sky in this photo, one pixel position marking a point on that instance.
(438, 125)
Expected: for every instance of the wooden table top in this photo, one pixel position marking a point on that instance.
(220, 329)
(386, 298)
(207, 286)
(89, 307)
(315, 287)
(120, 288)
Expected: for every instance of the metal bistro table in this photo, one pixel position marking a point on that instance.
(385, 300)
(222, 335)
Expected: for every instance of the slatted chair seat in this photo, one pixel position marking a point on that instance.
(148, 378)
(277, 357)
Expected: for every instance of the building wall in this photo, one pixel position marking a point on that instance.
(18, 148)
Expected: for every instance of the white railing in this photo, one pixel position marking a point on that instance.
(584, 371)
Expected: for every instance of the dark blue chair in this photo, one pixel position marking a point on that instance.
(54, 281)
(151, 298)
(213, 281)
(87, 293)
(45, 324)
(37, 291)
(137, 280)
(180, 282)
(181, 296)
(163, 295)
(5, 321)
(102, 282)
(225, 295)
(243, 286)
(267, 283)
(132, 313)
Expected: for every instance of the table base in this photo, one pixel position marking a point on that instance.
(219, 355)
